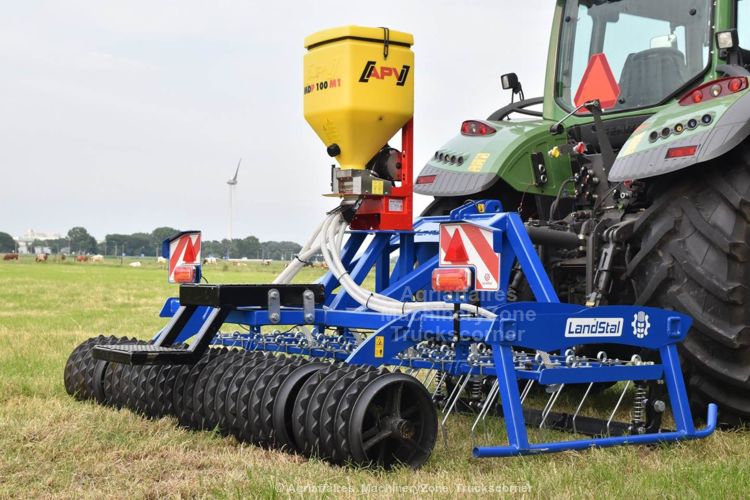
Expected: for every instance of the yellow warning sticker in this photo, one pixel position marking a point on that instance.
(379, 346)
(478, 162)
(377, 187)
(632, 144)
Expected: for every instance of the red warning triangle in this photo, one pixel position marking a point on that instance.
(190, 253)
(598, 82)
(456, 252)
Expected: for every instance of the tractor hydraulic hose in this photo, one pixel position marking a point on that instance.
(554, 238)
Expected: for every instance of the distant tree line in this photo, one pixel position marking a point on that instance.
(79, 241)
(7, 243)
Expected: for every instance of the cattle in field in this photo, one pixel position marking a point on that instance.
(161, 259)
(97, 258)
(41, 257)
(266, 262)
(135, 264)
(10, 256)
(62, 257)
(82, 258)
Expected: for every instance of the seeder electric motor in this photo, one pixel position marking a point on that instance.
(358, 376)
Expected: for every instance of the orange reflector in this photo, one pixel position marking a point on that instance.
(426, 179)
(184, 274)
(598, 82)
(451, 279)
(681, 152)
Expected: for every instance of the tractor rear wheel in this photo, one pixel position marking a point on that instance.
(694, 257)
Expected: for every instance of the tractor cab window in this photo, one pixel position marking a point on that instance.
(743, 23)
(630, 54)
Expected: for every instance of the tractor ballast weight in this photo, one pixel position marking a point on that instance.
(355, 375)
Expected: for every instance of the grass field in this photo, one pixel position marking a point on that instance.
(54, 446)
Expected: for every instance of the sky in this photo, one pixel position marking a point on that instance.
(125, 116)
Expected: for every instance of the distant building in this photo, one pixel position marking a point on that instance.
(26, 241)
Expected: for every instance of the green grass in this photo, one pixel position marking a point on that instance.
(52, 445)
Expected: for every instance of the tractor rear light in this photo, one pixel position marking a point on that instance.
(476, 128)
(184, 274)
(717, 88)
(426, 179)
(735, 84)
(451, 279)
(682, 151)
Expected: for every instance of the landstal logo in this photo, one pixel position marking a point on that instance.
(640, 324)
(593, 327)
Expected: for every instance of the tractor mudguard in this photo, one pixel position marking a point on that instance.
(467, 165)
(680, 136)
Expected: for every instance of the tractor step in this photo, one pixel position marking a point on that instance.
(164, 350)
(145, 354)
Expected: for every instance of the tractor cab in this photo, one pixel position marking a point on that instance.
(631, 54)
(635, 58)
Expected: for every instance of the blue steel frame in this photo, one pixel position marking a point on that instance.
(542, 325)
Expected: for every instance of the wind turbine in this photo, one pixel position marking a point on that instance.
(232, 183)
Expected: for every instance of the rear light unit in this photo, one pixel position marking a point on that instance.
(735, 84)
(717, 88)
(476, 128)
(451, 279)
(426, 179)
(682, 151)
(184, 274)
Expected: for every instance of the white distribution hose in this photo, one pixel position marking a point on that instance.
(328, 238)
(332, 232)
(307, 252)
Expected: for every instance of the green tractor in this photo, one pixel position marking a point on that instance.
(634, 176)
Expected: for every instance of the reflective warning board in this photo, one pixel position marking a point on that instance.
(184, 249)
(464, 244)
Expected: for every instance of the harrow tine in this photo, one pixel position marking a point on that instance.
(429, 377)
(617, 406)
(575, 415)
(439, 384)
(526, 390)
(491, 396)
(453, 400)
(486, 406)
(550, 404)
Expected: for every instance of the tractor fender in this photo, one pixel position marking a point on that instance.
(467, 165)
(723, 123)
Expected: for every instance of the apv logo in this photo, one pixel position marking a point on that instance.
(640, 325)
(372, 71)
(593, 327)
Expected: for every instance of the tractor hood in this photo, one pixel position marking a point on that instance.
(467, 165)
